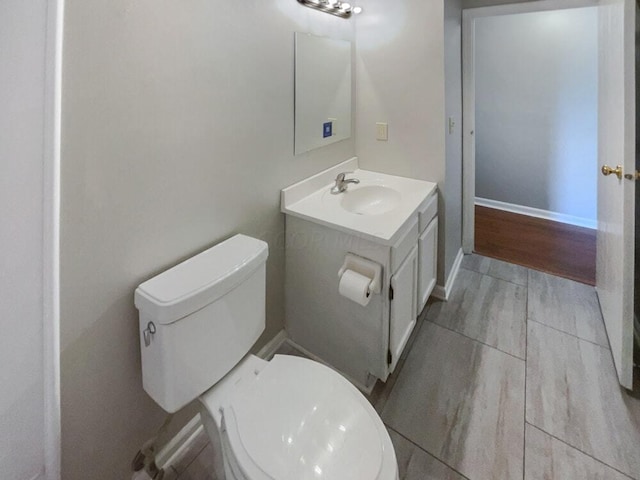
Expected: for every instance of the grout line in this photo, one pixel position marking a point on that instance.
(579, 450)
(541, 269)
(567, 333)
(476, 340)
(526, 356)
(500, 278)
(425, 451)
(606, 332)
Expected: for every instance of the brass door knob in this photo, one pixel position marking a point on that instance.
(607, 170)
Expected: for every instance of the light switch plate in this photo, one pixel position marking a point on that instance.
(382, 131)
(334, 125)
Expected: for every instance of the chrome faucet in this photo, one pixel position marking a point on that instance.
(341, 183)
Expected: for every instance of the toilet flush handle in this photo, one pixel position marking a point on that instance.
(148, 332)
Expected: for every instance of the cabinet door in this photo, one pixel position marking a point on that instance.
(427, 266)
(402, 311)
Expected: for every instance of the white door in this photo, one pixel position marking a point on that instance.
(616, 194)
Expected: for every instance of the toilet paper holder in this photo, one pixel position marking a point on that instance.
(365, 267)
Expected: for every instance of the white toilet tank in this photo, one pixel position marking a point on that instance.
(207, 313)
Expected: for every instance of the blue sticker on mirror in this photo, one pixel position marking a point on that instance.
(327, 129)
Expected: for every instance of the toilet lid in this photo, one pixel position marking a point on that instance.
(301, 420)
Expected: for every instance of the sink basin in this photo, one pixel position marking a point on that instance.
(370, 200)
(375, 209)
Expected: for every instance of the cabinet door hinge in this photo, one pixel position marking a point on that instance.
(390, 292)
(389, 357)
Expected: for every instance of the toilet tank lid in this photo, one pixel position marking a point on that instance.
(200, 280)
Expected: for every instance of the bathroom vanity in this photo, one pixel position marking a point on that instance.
(386, 220)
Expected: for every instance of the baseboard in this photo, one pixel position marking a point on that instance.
(442, 292)
(362, 387)
(272, 346)
(178, 445)
(538, 213)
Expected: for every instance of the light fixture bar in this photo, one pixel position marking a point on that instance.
(337, 8)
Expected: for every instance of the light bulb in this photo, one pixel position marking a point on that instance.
(357, 10)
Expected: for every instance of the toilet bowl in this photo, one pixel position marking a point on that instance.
(293, 418)
(286, 419)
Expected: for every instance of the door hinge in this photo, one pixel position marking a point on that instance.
(390, 292)
(389, 357)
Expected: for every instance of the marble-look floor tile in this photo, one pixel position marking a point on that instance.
(416, 464)
(566, 305)
(495, 268)
(462, 402)
(201, 468)
(486, 309)
(549, 458)
(574, 395)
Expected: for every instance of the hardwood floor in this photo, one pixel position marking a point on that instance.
(564, 250)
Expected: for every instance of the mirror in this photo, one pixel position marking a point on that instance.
(322, 91)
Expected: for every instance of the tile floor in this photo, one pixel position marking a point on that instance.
(510, 379)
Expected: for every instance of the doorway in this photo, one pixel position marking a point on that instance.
(535, 103)
(616, 155)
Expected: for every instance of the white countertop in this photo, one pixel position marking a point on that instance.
(311, 200)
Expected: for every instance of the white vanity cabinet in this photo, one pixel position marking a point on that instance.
(364, 342)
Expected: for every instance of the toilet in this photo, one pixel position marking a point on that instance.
(286, 419)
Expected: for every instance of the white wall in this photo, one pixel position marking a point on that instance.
(177, 133)
(22, 78)
(536, 110)
(400, 81)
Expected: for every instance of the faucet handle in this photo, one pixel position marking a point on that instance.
(341, 183)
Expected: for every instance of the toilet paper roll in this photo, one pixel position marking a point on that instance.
(355, 286)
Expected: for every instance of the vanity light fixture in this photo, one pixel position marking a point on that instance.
(334, 7)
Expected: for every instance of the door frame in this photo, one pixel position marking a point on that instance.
(51, 238)
(469, 16)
